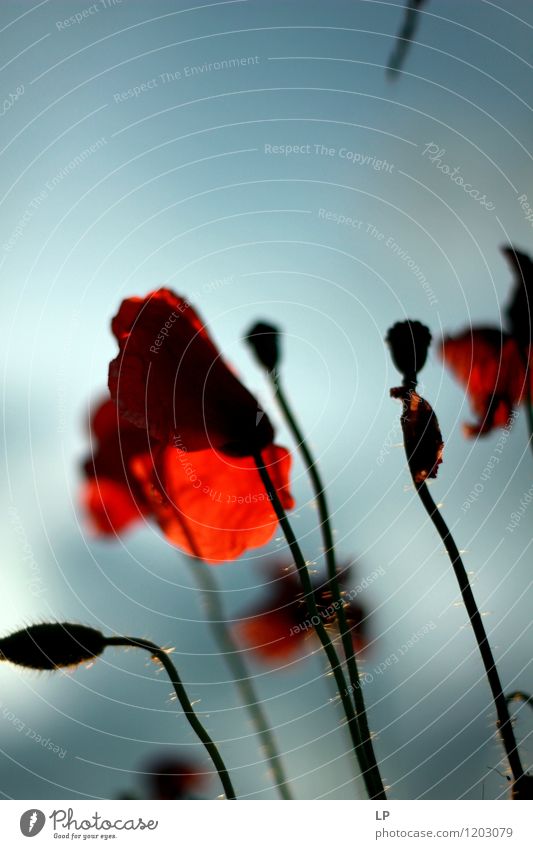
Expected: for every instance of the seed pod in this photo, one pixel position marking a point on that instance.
(52, 645)
(264, 340)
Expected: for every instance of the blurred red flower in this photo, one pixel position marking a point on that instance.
(170, 380)
(277, 630)
(489, 364)
(112, 496)
(210, 505)
(174, 778)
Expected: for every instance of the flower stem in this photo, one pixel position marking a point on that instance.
(321, 632)
(233, 656)
(374, 776)
(504, 720)
(194, 722)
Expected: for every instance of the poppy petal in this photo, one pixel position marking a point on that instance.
(421, 434)
(111, 495)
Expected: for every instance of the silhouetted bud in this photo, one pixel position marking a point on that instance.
(421, 434)
(409, 342)
(52, 645)
(264, 340)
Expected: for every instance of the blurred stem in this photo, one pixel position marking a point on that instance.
(405, 37)
(504, 720)
(179, 689)
(529, 398)
(374, 776)
(321, 632)
(203, 575)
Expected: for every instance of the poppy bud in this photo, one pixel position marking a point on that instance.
(264, 340)
(52, 645)
(409, 342)
(421, 433)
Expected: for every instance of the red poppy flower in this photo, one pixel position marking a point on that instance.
(421, 434)
(489, 364)
(174, 778)
(112, 495)
(170, 380)
(277, 630)
(210, 505)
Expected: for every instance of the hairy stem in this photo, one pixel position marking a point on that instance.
(321, 632)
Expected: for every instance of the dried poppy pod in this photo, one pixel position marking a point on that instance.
(52, 645)
(277, 630)
(421, 433)
(409, 343)
(263, 339)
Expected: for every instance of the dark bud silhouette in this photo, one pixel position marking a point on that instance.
(263, 339)
(52, 645)
(421, 434)
(519, 310)
(409, 342)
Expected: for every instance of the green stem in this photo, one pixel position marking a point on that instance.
(504, 720)
(183, 698)
(321, 632)
(203, 574)
(374, 776)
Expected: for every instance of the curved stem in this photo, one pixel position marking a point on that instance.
(179, 689)
(321, 632)
(504, 720)
(374, 776)
(233, 656)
